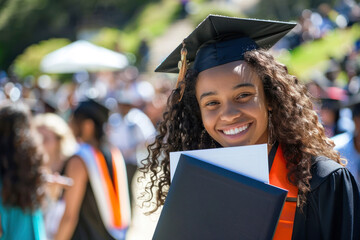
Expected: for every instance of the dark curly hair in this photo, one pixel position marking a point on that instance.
(297, 129)
(20, 160)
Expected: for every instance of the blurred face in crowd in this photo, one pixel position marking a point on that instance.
(357, 125)
(233, 105)
(328, 116)
(51, 142)
(83, 129)
(356, 118)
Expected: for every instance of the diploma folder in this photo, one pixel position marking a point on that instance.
(208, 202)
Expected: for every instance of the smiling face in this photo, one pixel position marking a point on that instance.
(233, 105)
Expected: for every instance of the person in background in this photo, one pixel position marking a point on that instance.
(330, 109)
(58, 145)
(97, 205)
(332, 72)
(155, 108)
(21, 182)
(58, 140)
(330, 115)
(133, 130)
(348, 143)
(232, 92)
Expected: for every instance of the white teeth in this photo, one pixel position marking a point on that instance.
(234, 131)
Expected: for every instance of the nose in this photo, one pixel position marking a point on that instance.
(230, 112)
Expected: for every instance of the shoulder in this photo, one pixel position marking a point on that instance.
(76, 161)
(334, 199)
(322, 169)
(75, 166)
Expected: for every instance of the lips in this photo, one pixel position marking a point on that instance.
(235, 130)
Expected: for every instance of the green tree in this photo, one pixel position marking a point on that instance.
(28, 63)
(25, 22)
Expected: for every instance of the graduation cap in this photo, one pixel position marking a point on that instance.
(331, 104)
(334, 99)
(93, 110)
(220, 39)
(354, 104)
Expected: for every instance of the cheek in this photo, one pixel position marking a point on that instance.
(52, 142)
(208, 119)
(74, 128)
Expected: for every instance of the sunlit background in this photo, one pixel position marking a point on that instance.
(53, 54)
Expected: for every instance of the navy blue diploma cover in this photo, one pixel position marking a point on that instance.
(209, 202)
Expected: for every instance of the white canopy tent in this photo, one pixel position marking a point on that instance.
(82, 56)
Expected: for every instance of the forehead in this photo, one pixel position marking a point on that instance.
(234, 72)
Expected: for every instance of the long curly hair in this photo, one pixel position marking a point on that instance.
(20, 160)
(298, 129)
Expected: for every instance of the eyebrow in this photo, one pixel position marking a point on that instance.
(235, 87)
(207, 94)
(243, 85)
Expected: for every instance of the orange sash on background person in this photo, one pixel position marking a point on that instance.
(112, 198)
(278, 178)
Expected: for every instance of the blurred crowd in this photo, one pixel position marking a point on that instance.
(134, 104)
(131, 107)
(314, 24)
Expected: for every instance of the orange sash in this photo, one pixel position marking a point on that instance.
(278, 177)
(112, 198)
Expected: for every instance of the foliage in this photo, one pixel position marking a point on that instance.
(146, 25)
(28, 63)
(286, 10)
(303, 60)
(26, 22)
(108, 37)
(205, 9)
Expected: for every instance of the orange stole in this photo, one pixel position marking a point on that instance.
(120, 215)
(278, 177)
(112, 190)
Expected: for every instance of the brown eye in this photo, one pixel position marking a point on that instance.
(211, 103)
(243, 96)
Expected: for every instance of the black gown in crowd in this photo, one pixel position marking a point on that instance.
(90, 225)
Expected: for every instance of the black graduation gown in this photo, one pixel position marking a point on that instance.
(333, 205)
(90, 225)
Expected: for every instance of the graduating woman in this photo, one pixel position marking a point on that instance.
(232, 92)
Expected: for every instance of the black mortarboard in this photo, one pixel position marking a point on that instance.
(354, 104)
(218, 40)
(334, 99)
(93, 110)
(332, 104)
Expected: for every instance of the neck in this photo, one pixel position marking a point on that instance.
(92, 141)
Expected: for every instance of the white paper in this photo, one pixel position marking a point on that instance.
(251, 161)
